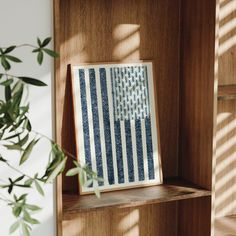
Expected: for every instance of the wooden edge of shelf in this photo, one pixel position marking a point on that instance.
(171, 190)
(227, 92)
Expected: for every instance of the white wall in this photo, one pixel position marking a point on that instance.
(21, 21)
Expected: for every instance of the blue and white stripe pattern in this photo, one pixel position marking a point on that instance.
(115, 112)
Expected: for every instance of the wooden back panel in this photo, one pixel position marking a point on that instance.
(153, 220)
(197, 97)
(103, 31)
(120, 30)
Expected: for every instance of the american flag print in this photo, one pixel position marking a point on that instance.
(116, 125)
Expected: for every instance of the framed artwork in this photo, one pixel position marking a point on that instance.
(116, 123)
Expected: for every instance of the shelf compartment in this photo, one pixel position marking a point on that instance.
(171, 190)
(226, 92)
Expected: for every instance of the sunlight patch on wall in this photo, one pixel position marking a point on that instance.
(227, 26)
(227, 9)
(225, 147)
(224, 47)
(78, 51)
(222, 117)
(129, 223)
(224, 130)
(127, 38)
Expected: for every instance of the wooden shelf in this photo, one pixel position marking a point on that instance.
(226, 92)
(130, 31)
(226, 226)
(171, 190)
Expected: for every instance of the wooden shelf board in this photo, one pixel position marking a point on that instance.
(171, 190)
(225, 226)
(226, 92)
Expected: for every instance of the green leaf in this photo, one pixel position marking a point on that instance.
(97, 192)
(33, 207)
(2, 159)
(57, 157)
(6, 65)
(36, 50)
(8, 93)
(57, 170)
(22, 185)
(32, 221)
(23, 141)
(29, 219)
(39, 42)
(39, 188)
(17, 210)
(76, 163)
(12, 136)
(13, 147)
(88, 183)
(29, 182)
(28, 151)
(14, 227)
(50, 52)
(73, 171)
(24, 110)
(22, 197)
(81, 178)
(19, 179)
(9, 49)
(46, 41)
(7, 82)
(25, 229)
(29, 127)
(12, 58)
(32, 81)
(17, 87)
(27, 124)
(10, 188)
(40, 57)
(101, 180)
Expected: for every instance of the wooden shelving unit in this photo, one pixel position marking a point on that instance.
(171, 190)
(181, 39)
(225, 182)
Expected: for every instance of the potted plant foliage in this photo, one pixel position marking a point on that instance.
(16, 134)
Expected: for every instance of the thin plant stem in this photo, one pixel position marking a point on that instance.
(23, 45)
(16, 170)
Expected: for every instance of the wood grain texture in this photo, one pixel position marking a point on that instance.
(194, 217)
(227, 92)
(173, 190)
(119, 30)
(98, 31)
(226, 159)
(136, 221)
(226, 226)
(227, 42)
(197, 112)
(197, 96)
